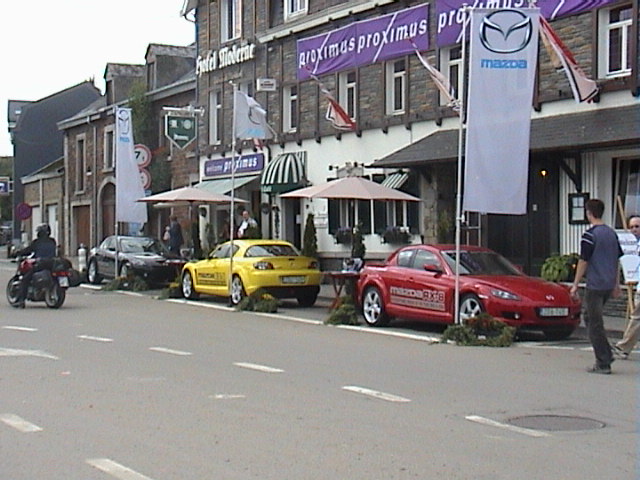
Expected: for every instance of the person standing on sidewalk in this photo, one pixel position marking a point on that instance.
(175, 235)
(632, 333)
(599, 254)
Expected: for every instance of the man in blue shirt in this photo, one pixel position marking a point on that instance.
(599, 253)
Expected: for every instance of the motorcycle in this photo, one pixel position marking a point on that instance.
(46, 285)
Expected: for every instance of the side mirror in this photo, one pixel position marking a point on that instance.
(429, 267)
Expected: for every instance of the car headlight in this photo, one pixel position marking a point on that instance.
(504, 295)
(137, 262)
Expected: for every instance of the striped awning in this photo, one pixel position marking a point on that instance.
(284, 173)
(395, 180)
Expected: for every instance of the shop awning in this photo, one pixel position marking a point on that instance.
(223, 185)
(592, 129)
(286, 172)
(395, 180)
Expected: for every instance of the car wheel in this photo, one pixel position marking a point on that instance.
(470, 306)
(187, 287)
(557, 333)
(237, 290)
(92, 273)
(373, 308)
(307, 299)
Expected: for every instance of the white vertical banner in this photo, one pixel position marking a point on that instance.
(128, 180)
(502, 65)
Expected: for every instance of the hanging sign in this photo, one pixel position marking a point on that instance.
(181, 130)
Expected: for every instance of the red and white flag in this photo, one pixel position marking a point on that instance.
(442, 82)
(335, 113)
(583, 88)
(337, 116)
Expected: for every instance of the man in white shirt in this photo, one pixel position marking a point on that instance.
(632, 333)
(246, 223)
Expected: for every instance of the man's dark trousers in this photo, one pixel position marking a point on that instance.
(594, 302)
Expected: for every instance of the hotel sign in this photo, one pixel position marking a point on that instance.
(225, 57)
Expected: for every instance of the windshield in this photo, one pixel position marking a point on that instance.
(271, 251)
(143, 245)
(481, 263)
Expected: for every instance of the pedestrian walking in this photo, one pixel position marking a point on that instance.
(175, 235)
(599, 254)
(632, 332)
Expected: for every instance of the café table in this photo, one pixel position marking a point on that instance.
(341, 280)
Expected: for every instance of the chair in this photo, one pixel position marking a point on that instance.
(630, 271)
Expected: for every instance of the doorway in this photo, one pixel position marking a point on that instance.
(527, 240)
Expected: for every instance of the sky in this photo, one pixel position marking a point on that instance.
(47, 46)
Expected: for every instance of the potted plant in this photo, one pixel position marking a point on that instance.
(310, 238)
(560, 268)
(481, 330)
(343, 235)
(396, 234)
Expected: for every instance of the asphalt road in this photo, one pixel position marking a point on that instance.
(129, 387)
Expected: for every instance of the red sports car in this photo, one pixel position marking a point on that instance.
(418, 282)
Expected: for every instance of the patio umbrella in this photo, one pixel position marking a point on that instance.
(352, 188)
(188, 195)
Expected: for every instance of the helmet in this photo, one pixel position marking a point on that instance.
(43, 230)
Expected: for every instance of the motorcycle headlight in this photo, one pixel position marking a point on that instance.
(504, 295)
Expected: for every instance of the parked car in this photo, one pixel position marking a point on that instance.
(145, 257)
(418, 282)
(274, 265)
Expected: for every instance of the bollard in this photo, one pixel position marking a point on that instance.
(82, 258)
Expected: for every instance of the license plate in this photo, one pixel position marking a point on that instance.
(554, 311)
(293, 279)
(63, 281)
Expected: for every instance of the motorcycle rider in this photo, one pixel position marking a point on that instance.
(44, 248)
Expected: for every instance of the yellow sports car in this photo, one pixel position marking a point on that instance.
(274, 265)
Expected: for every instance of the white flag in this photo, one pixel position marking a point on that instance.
(250, 118)
(128, 180)
(502, 65)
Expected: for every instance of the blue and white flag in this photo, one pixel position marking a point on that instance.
(502, 65)
(129, 186)
(250, 118)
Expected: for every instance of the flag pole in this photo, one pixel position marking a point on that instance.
(461, 138)
(233, 171)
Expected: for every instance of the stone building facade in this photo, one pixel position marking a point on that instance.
(414, 147)
(165, 80)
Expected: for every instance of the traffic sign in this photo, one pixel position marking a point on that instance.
(145, 178)
(23, 211)
(180, 129)
(4, 185)
(142, 154)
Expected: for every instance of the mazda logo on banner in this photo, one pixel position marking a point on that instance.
(506, 31)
